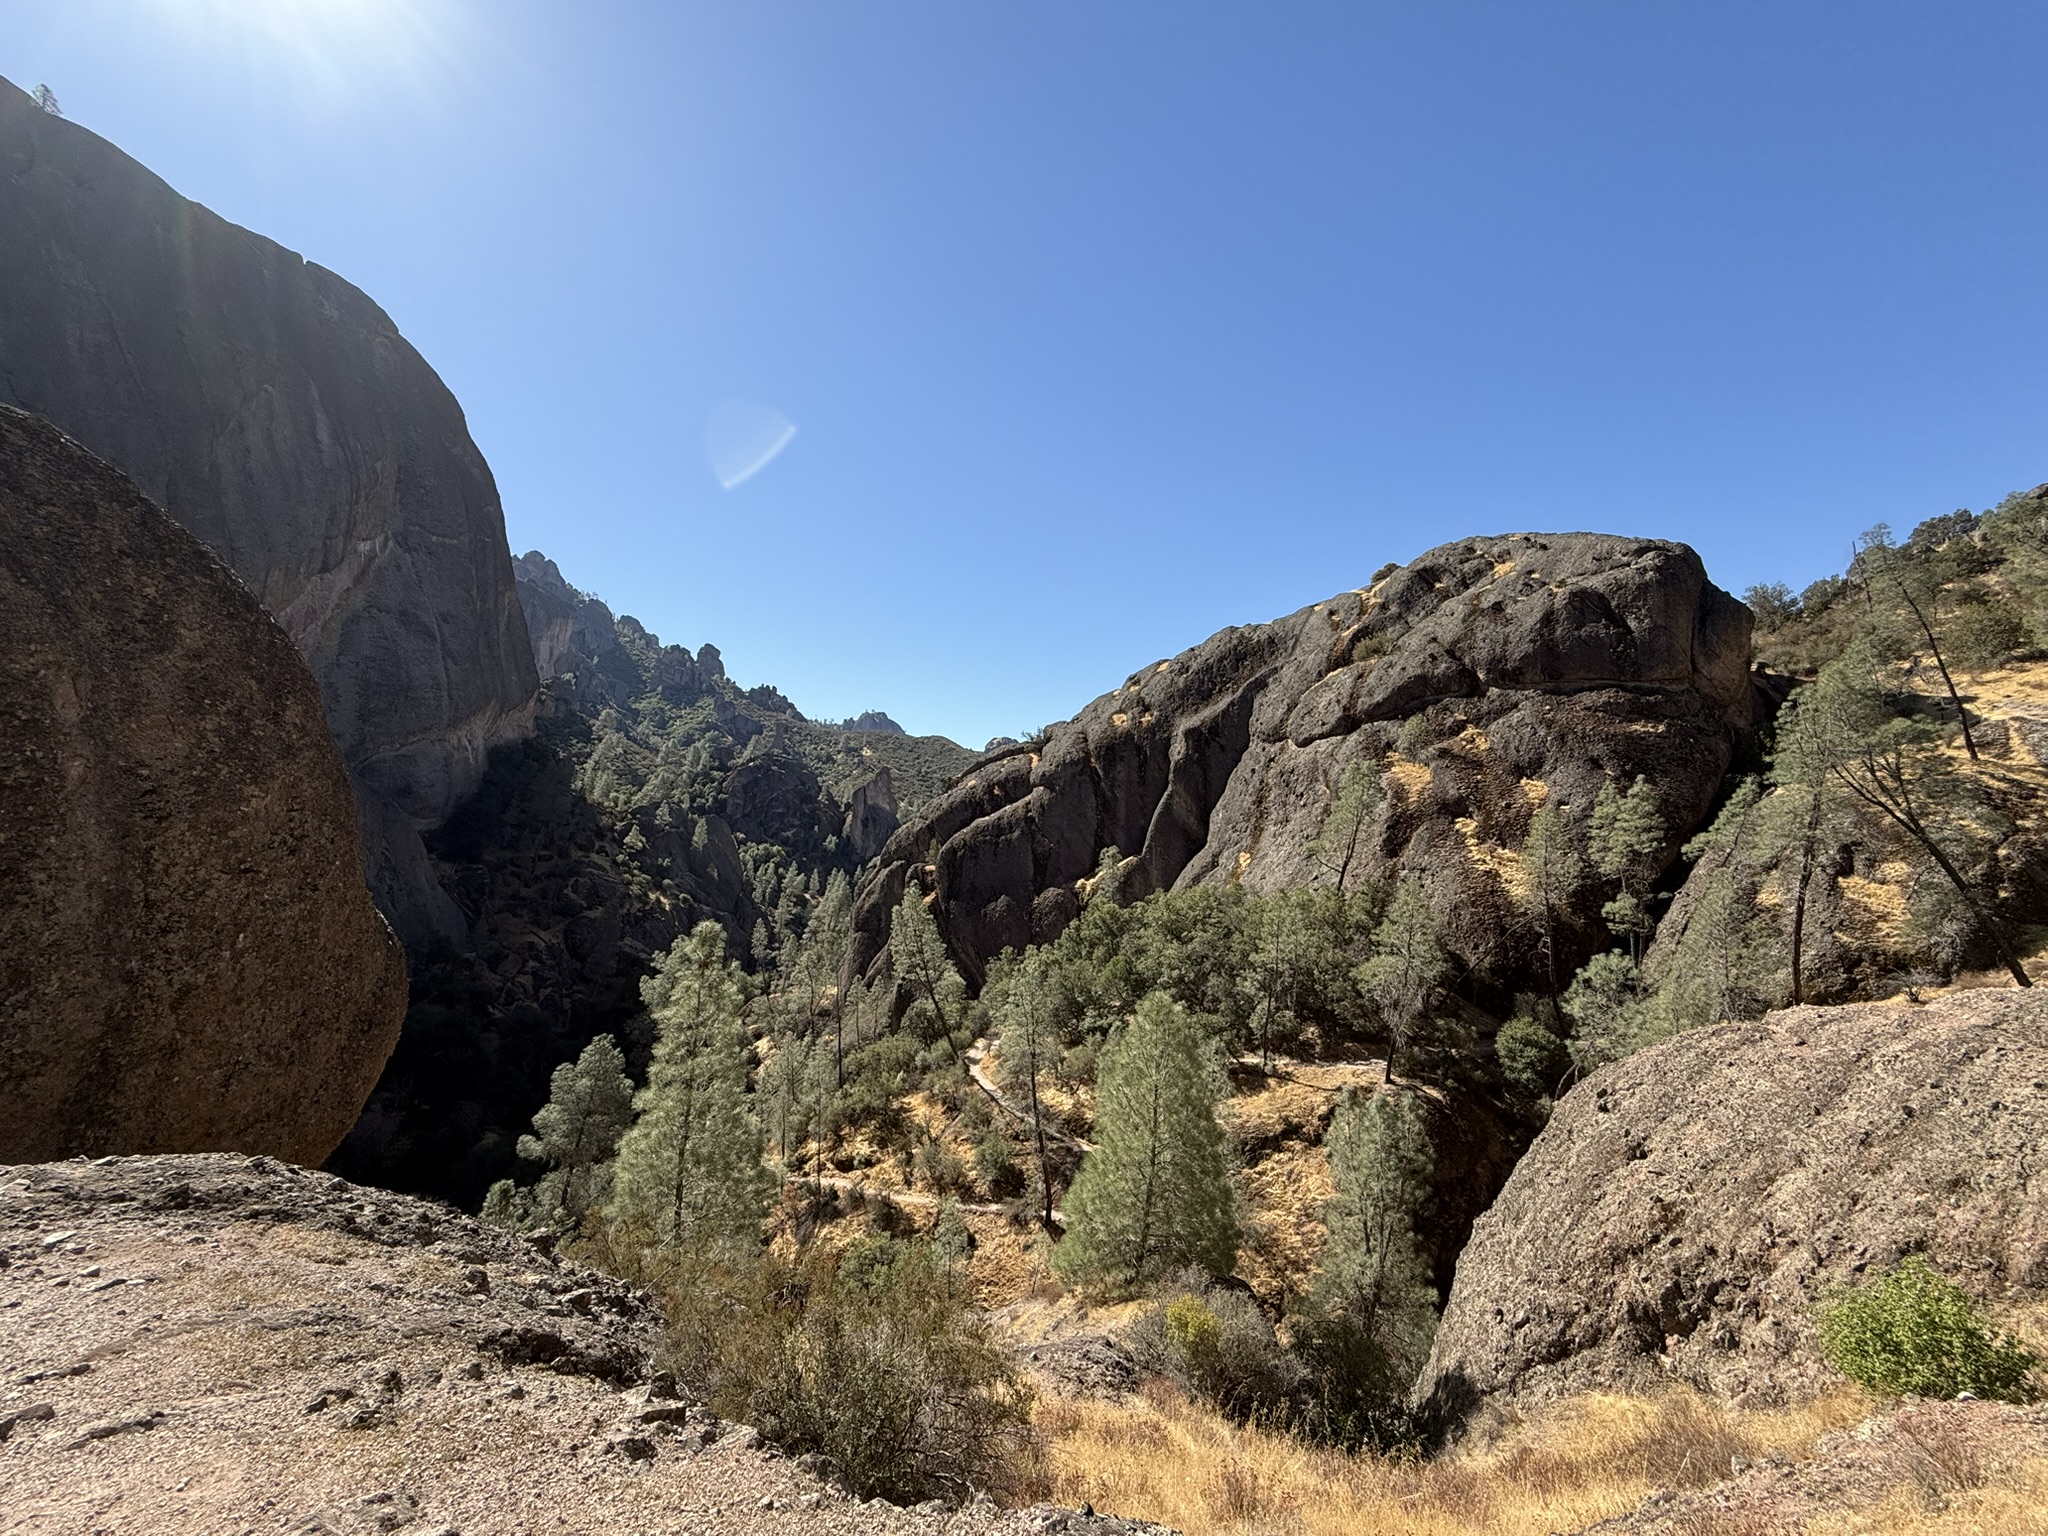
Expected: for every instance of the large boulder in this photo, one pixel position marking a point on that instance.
(1686, 1207)
(189, 960)
(275, 411)
(1482, 681)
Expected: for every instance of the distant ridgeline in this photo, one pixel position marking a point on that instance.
(655, 794)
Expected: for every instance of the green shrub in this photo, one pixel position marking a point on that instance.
(1915, 1332)
(1531, 1057)
(1216, 1343)
(874, 1358)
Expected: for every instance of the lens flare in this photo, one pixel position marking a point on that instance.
(742, 438)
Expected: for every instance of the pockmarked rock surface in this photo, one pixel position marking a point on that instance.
(1482, 681)
(274, 411)
(188, 957)
(205, 1344)
(1688, 1206)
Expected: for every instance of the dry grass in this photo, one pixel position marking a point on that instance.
(1162, 1458)
(2014, 1502)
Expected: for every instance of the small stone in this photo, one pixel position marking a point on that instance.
(57, 1240)
(29, 1413)
(107, 1428)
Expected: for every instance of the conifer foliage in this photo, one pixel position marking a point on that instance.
(577, 1130)
(1155, 1194)
(1367, 1327)
(690, 1169)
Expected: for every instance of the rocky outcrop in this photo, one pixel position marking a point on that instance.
(1686, 1207)
(774, 797)
(1484, 680)
(871, 816)
(276, 412)
(205, 1344)
(571, 630)
(188, 958)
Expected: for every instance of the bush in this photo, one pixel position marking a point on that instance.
(1915, 1332)
(1531, 1056)
(995, 1164)
(873, 1358)
(1218, 1346)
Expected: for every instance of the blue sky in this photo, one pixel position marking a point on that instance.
(1102, 326)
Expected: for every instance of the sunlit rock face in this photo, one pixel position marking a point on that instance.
(275, 412)
(1688, 1208)
(1482, 681)
(188, 959)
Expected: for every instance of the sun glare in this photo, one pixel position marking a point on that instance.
(330, 46)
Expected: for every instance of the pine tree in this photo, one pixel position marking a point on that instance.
(1372, 1312)
(1551, 870)
(690, 1171)
(1712, 956)
(1624, 838)
(784, 1092)
(1278, 968)
(590, 1105)
(1155, 1194)
(1027, 1043)
(1803, 813)
(1361, 790)
(1408, 964)
(1885, 568)
(1609, 1015)
(938, 997)
(1841, 728)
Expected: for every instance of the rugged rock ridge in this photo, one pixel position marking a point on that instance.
(275, 411)
(1489, 677)
(188, 959)
(1685, 1208)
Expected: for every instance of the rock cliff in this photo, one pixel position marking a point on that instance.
(1686, 1207)
(188, 958)
(1482, 681)
(276, 412)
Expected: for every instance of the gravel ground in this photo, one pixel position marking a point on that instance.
(224, 1344)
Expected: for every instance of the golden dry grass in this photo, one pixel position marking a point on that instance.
(1162, 1458)
(2013, 1503)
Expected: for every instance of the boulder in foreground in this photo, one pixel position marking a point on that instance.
(189, 960)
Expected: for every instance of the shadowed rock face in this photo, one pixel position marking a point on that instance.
(188, 959)
(1686, 1207)
(275, 412)
(1528, 669)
